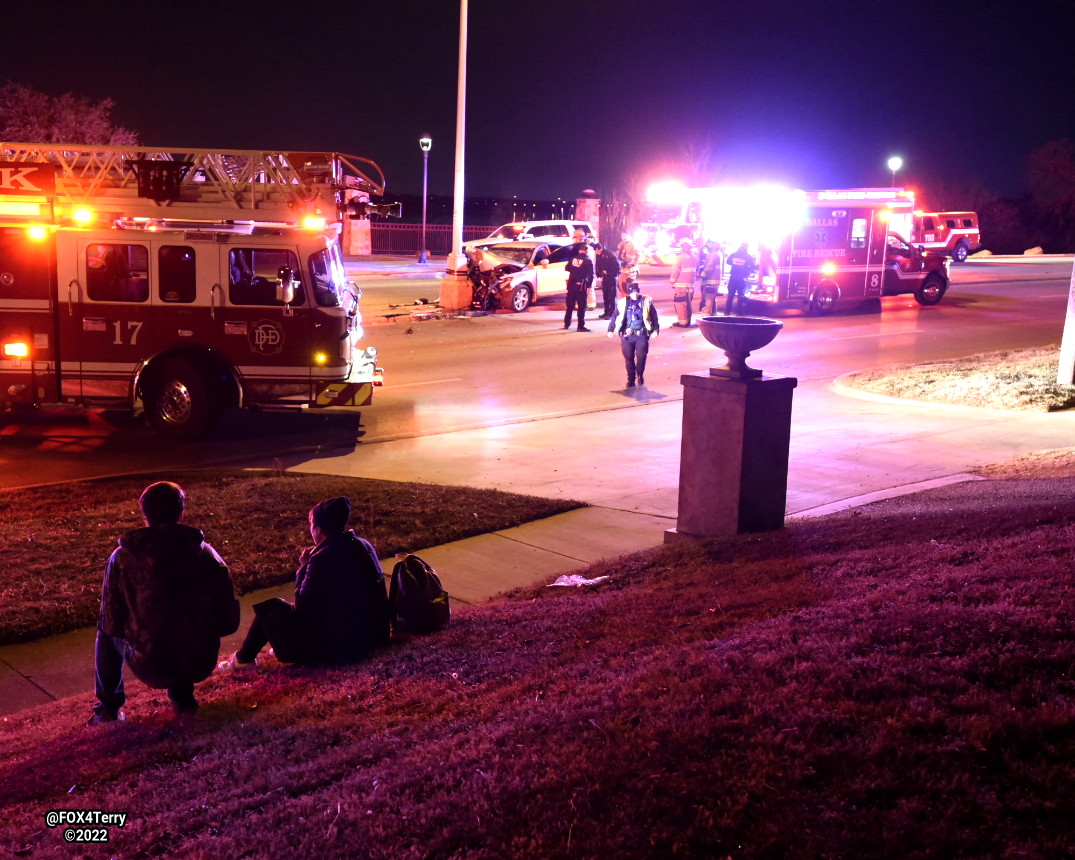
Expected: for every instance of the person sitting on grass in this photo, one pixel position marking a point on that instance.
(340, 612)
(166, 600)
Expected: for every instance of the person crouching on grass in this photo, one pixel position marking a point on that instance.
(166, 600)
(340, 612)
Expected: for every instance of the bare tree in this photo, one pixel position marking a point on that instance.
(700, 161)
(1052, 182)
(28, 115)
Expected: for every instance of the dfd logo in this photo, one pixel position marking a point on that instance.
(266, 337)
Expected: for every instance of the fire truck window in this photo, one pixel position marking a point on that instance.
(329, 278)
(117, 273)
(950, 223)
(252, 276)
(858, 233)
(927, 223)
(175, 267)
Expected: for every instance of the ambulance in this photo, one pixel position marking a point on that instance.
(953, 233)
(818, 249)
(177, 283)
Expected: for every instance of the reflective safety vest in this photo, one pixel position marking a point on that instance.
(621, 314)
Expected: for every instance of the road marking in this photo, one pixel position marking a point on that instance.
(428, 382)
(879, 334)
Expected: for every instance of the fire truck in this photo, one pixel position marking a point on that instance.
(177, 283)
(843, 245)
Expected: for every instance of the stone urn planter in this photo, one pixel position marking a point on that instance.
(738, 337)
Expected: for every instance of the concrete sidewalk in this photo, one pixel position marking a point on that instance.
(473, 571)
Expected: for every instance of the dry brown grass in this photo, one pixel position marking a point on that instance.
(1022, 380)
(56, 539)
(893, 682)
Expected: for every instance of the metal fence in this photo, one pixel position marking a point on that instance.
(407, 238)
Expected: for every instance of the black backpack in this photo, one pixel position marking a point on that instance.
(417, 601)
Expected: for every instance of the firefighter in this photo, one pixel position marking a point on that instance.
(683, 283)
(635, 321)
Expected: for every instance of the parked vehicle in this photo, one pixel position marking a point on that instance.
(953, 233)
(179, 283)
(553, 233)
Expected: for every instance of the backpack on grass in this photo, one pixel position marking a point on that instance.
(417, 601)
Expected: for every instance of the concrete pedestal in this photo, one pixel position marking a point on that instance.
(456, 292)
(356, 240)
(733, 473)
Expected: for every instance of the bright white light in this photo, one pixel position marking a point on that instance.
(669, 192)
(763, 214)
(895, 163)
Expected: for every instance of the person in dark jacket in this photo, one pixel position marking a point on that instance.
(167, 599)
(340, 612)
(608, 270)
(740, 267)
(579, 277)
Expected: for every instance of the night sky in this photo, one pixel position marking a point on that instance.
(564, 96)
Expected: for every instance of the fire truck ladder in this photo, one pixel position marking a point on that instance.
(167, 183)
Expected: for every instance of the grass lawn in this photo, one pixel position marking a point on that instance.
(56, 539)
(1023, 380)
(891, 682)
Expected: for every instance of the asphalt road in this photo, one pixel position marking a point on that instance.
(450, 377)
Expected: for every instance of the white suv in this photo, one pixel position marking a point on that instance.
(552, 233)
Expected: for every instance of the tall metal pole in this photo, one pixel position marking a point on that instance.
(456, 258)
(426, 142)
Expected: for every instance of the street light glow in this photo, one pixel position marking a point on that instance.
(894, 164)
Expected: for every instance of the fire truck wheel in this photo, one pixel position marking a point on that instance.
(520, 299)
(960, 252)
(824, 300)
(179, 402)
(931, 291)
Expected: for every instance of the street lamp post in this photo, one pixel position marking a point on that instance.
(426, 142)
(894, 164)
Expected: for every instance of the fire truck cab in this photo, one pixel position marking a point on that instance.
(953, 233)
(179, 284)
